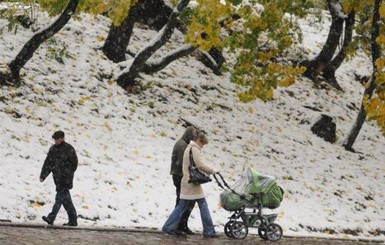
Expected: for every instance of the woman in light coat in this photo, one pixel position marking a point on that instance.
(192, 192)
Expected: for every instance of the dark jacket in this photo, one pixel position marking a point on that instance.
(62, 161)
(178, 150)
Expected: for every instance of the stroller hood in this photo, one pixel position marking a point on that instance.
(252, 190)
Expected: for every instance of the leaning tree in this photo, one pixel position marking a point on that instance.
(119, 34)
(317, 65)
(127, 78)
(373, 102)
(329, 72)
(11, 71)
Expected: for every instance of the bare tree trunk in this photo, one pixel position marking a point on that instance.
(316, 66)
(330, 70)
(153, 13)
(126, 79)
(376, 52)
(119, 36)
(34, 43)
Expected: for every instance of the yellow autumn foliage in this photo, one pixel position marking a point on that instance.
(204, 30)
(382, 10)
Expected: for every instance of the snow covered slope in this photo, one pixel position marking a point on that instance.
(124, 141)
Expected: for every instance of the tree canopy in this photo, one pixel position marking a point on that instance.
(258, 33)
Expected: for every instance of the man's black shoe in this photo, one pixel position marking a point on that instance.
(50, 222)
(188, 231)
(176, 233)
(71, 224)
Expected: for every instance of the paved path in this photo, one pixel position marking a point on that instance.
(43, 235)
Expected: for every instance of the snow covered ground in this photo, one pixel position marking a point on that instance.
(124, 141)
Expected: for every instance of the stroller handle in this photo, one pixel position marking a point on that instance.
(222, 184)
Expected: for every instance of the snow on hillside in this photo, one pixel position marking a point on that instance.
(124, 141)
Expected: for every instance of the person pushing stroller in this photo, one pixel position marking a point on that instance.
(192, 192)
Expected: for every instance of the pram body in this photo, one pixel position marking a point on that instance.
(246, 199)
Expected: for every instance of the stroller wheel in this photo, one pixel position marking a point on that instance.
(239, 230)
(262, 233)
(273, 232)
(228, 229)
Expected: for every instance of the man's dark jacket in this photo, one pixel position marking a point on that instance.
(62, 162)
(178, 151)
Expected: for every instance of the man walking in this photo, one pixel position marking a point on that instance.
(62, 161)
(177, 174)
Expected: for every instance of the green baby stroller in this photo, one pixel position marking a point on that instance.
(246, 199)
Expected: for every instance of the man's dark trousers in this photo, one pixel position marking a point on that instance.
(183, 222)
(63, 197)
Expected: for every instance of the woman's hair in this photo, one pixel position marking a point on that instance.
(202, 137)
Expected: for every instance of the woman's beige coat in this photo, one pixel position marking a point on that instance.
(190, 191)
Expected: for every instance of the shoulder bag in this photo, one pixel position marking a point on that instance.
(197, 177)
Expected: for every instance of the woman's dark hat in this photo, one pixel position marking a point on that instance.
(58, 134)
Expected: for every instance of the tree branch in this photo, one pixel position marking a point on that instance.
(158, 64)
(127, 78)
